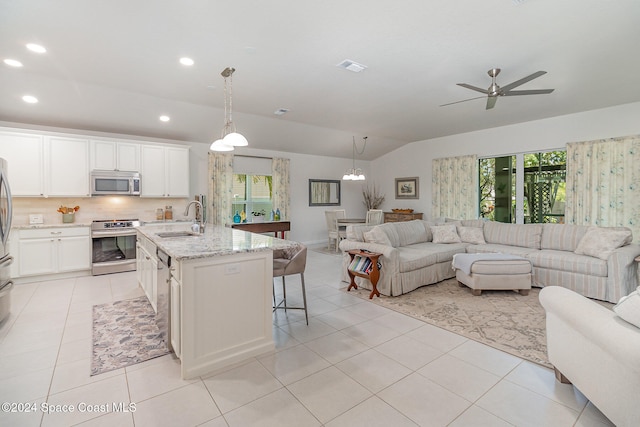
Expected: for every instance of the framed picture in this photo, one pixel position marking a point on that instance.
(407, 188)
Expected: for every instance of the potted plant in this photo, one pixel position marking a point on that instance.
(372, 198)
(68, 214)
(258, 216)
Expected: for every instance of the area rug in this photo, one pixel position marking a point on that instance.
(125, 333)
(504, 320)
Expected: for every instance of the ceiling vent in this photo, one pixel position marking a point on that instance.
(281, 111)
(350, 65)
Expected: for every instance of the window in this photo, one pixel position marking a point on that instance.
(539, 198)
(252, 195)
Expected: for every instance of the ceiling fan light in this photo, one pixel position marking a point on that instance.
(235, 139)
(219, 145)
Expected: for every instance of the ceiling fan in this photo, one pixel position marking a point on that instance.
(494, 91)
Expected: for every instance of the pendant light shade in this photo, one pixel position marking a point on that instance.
(235, 139)
(229, 137)
(354, 174)
(219, 145)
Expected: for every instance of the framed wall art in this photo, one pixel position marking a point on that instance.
(407, 188)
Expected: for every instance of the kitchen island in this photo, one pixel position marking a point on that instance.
(220, 298)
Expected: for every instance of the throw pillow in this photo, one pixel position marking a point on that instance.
(472, 235)
(628, 308)
(601, 242)
(377, 235)
(445, 234)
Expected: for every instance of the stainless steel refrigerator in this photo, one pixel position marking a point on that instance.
(6, 285)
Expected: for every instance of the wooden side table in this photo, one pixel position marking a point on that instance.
(373, 275)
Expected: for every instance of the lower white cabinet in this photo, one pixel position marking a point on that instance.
(175, 317)
(53, 250)
(147, 265)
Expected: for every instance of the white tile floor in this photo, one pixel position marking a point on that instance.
(356, 364)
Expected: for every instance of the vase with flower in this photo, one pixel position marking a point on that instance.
(68, 214)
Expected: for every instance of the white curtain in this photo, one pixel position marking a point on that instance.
(221, 187)
(280, 182)
(455, 187)
(603, 183)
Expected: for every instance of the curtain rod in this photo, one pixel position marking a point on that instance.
(253, 157)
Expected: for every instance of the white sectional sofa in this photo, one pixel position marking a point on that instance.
(596, 262)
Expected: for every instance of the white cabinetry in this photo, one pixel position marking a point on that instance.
(68, 172)
(25, 155)
(175, 317)
(165, 171)
(53, 250)
(115, 155)
(147, 265)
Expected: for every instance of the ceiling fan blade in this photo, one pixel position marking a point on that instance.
(523, 81)
(477, 89)
(464, 100)
(528, 92)
(491, 102)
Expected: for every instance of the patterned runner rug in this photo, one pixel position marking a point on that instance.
(125, 333)
(504, 320)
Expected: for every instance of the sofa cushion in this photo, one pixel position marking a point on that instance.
(376, 235)
(562, 237)
(473, 235)
(628, 308)
(356, 232)
(404, 233)
(445, 234)
(568, 261)
(523, 235)
(601, 242)
(479, 223)
(423, 255)
(503, 249)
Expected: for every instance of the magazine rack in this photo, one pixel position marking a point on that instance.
(364, 264)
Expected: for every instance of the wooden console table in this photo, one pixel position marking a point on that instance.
(399, 217)
(265, 227)
(373, 275)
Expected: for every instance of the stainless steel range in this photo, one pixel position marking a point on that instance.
(114, 246)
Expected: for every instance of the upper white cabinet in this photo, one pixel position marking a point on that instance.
(25, 156)
(68, 172)
(165, 171)
(115, 155)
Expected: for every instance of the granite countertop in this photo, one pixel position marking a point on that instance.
(50, 225)
(216, 241)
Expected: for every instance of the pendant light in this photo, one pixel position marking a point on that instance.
(229, 137)
(354, 174)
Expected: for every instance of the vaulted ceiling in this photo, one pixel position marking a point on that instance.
(112, 66)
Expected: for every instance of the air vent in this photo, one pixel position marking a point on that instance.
(281, 111)
(350, 65)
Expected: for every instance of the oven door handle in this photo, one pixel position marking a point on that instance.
(113, 233)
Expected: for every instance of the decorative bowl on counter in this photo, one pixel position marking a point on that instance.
(406, 211)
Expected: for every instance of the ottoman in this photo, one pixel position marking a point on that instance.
(493, 272)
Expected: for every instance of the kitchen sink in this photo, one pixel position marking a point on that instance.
(168, 234)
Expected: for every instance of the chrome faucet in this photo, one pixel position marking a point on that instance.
(200, 222)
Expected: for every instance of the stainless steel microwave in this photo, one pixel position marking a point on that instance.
(111, 183)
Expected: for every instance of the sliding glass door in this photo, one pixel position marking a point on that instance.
(525, 188)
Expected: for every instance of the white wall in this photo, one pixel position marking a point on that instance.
(541, 135)
(308, 223)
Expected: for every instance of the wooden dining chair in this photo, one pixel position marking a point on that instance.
(374, 217)
(334, 232)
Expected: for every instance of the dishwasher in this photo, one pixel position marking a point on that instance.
(163, 314)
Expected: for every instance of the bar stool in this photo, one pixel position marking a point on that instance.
(286, 263)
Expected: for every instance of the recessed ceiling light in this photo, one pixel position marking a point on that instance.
(36, 48)
(281, 111)
(186, 61)
(13, 62)
(164, 118)
(29, 99)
